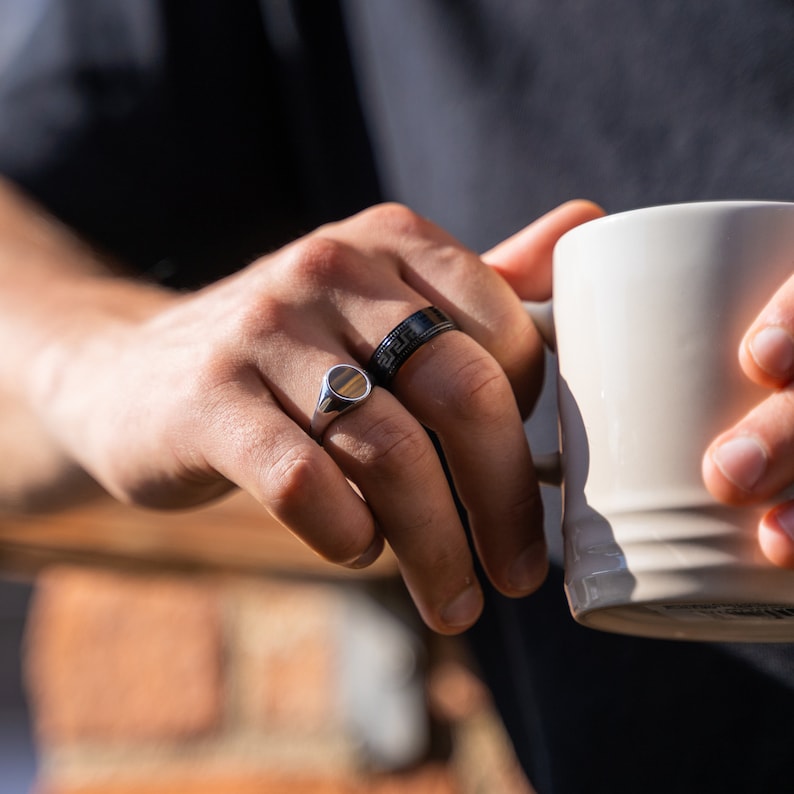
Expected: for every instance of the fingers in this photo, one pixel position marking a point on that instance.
(478, 423)
(382, 449)
(256, 437)
(754, 460)
(463, 386)
(455, 388)
(389, 455)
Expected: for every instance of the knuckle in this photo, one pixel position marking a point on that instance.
(252, 311)
(399, 219)
(277, 291)
(390, 446)
(527, 503)
(446, 560)
(289, 479)
(319, 260)
(261, 317)
(290, 482)
(212, 377)
(479, 391)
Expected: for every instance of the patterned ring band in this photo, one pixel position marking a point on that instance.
(404, 340)
(344, 387)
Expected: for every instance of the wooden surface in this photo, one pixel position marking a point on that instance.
(235, 534)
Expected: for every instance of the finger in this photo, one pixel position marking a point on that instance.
(249, 440)
(459, 391)
(524, 260)
(754, 460)
(379, 447)
(776, 535)
(389, 455)
(767, 350)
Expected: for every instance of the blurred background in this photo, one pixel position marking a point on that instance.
(209, 652)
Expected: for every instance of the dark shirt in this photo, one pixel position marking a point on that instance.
(184, 139)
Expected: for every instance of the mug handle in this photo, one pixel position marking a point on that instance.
(548, 466)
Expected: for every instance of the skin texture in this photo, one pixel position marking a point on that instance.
(170, 400)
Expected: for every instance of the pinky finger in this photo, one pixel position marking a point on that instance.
(260, 449)
(776, 535)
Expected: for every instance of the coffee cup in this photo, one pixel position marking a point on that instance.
(648, 312)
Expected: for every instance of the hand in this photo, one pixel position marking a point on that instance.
(170, 400)
(754, 460)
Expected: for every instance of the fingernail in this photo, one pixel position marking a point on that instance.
(464, 609)
(772, 348)
(785, 519)
(529, 569)
(742, 460)
(370, 555)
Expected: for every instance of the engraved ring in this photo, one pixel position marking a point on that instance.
(404, 340)
(344, 387)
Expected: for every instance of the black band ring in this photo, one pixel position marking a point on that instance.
(404, 340)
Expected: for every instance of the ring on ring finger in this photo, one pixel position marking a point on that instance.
(344, 388)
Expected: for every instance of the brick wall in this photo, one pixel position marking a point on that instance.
(199, 683)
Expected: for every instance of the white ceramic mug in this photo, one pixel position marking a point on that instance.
(649, 309)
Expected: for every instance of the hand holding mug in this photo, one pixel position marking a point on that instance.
(169, 400)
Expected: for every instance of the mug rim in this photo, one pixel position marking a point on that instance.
(676, 207)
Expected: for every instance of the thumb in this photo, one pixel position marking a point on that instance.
(524, 260)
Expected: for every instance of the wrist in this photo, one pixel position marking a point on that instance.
(85, 320)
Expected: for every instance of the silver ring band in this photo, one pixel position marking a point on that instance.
(344, 387)
(404, 340)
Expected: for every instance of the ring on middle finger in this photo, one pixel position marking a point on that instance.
(405, 339)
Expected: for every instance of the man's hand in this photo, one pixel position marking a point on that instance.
(170, 400)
